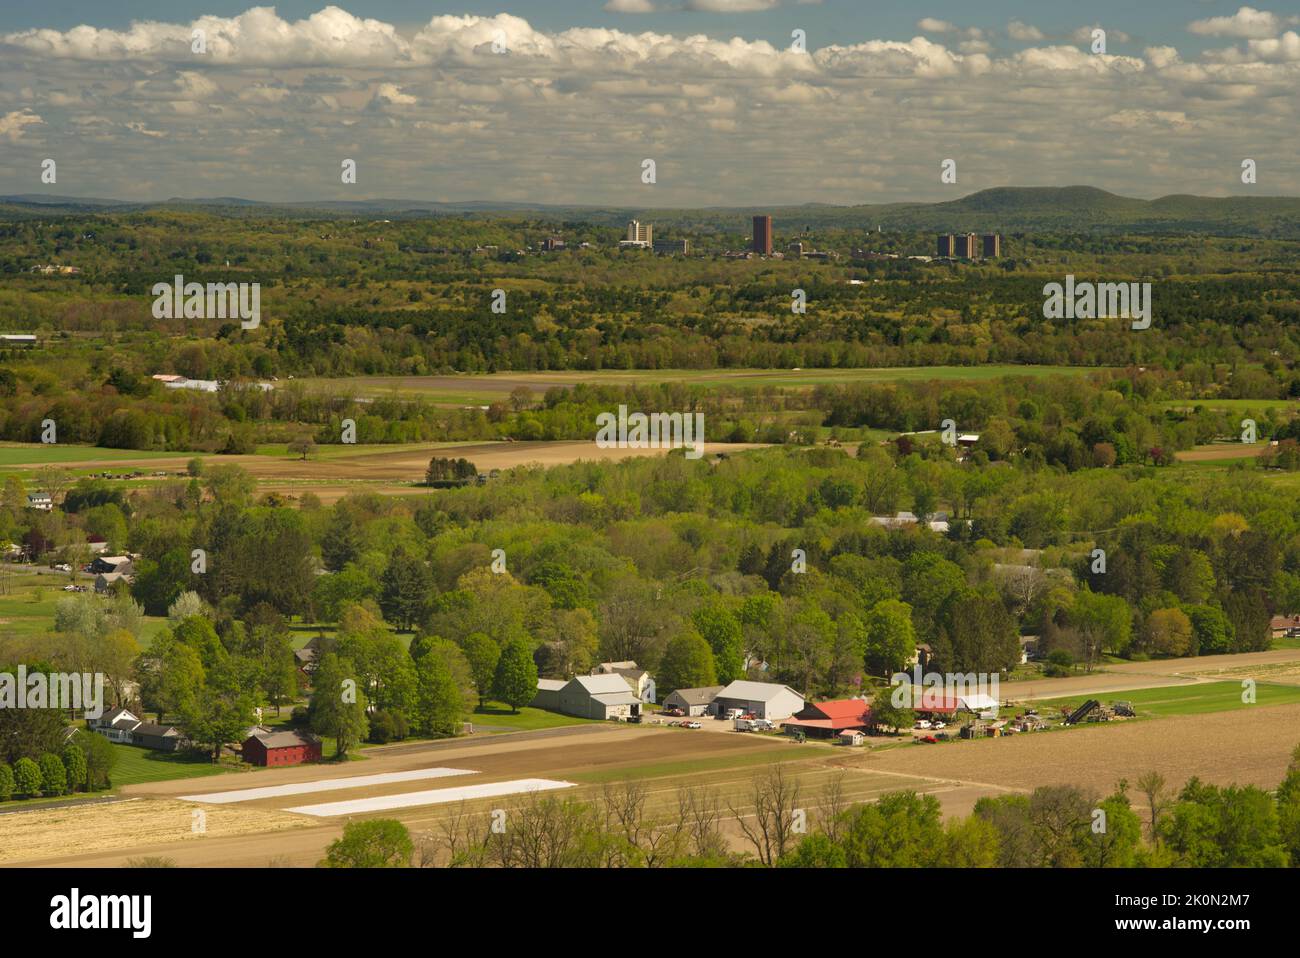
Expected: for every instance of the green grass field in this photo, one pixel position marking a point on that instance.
(484, 389)
(27, 610)
(14, 453)
(496, 717)
(1198, 699)
(136, 765)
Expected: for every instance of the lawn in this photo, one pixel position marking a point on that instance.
(28, 610)
(1198, 699)
(136, 764)
(497, 717)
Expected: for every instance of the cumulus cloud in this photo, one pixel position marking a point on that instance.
(1084, 34)
(474, 106)
(1017, 30)
(730, 6)
(1247, 24)
(12, 124)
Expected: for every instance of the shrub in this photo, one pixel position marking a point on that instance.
(6, 782)
(27, 778)
(54, 776)
(74, 760)
(381, 728)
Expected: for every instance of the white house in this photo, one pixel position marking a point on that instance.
(40, 501)
(639, 680)
(765, 700)
(117, 725)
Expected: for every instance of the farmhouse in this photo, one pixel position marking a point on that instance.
(829, 719)
(693, 701)
(282, 748)
(115, 725)
(1285, 626)
(123, 726)
(764, 700)
(590, 696)
(119, 564)
(105, 582)
(40, 501)
(638, 680)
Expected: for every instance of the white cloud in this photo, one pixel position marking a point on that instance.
(12, 124)
(931, 25)
(1247, 24)
(434, 112)
(630, 6)
(730, 6)
(1024, 31)
(1084, 34)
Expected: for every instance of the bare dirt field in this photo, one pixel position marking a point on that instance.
(1226, 450)
(118, 826)
(1249, 747)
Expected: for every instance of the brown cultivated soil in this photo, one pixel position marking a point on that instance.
(1247, 747)
(1225, 450)
(43, 833)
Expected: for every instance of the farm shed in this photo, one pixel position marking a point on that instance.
(765, 700)
(693, 702)
(160, 738)
(548, 694)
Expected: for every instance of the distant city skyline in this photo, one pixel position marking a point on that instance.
(755, 103)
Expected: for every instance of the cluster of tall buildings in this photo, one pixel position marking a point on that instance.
(970, 246)
(642, 236)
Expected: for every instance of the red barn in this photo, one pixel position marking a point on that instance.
(282, 748)
(828, 719)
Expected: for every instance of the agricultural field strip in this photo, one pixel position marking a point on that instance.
(437, 796)
(325, 785)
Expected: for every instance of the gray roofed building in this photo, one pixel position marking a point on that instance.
(693, 701)
(591, 696)
(766, 700)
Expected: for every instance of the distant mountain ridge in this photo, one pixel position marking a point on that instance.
(1004, 208)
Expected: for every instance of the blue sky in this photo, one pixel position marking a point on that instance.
(1181, 94)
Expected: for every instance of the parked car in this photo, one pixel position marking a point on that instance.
(940, 725)
(677, 712)
(923, 723)
(692, 725)
(929, 740)
(674, 724)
